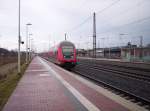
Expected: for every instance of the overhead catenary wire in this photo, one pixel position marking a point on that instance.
(79, 25)
(101, 11)
(116, 27)
(89, 17)
(133, 22)
(107, 7)
(132, 8)
(141, 2)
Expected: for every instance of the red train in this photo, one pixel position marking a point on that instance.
(64, 54)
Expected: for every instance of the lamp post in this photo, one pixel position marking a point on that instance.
(27, 35)
(29, 56)
(30, 53)
(19, 39)
(32, 48)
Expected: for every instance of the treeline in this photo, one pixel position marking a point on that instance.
(10, 56)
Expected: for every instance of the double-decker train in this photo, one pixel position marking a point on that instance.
(63, 54)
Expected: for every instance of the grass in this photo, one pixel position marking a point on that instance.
(7, 69)
(10, 59)
(8, 85)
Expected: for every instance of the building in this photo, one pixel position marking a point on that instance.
(113, 52)
(136, 54)
(130, 53)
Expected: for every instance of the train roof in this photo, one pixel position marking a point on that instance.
(63, 43)
(66, 43)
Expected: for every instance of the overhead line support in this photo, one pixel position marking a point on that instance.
(94, 35)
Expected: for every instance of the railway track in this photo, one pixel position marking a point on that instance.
(142, 77)
(127, 69)
(132, 86)
(121, 65)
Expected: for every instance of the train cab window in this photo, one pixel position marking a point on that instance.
(67, 50)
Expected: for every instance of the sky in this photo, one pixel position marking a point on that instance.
(117, 22)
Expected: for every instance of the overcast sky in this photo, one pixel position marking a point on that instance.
(51, 19)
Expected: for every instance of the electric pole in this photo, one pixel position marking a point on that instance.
(94, 35)
(65, 36)
(141, 46)
(141, 41)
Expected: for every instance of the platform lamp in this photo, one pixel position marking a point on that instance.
(19, 38)
(27, 35)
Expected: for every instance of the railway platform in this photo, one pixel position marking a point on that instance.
(47, 87)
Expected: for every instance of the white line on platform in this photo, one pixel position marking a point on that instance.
(44, 75)
(36, 70)
(84, 101)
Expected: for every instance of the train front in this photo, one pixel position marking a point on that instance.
(68, 50)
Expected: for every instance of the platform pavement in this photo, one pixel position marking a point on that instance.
(46, 88)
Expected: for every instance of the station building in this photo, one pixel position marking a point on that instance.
(128, 54)
(140, 54)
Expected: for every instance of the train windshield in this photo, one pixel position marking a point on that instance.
(67, 50)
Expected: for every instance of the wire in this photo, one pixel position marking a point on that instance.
(134, 22)
(82, 23)
(109, 6)
(132, 8)
(87, 19)
(138, 21)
